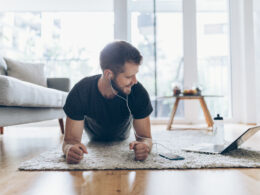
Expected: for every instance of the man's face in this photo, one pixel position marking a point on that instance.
(124, 81)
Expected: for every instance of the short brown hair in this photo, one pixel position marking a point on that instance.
(116, 54)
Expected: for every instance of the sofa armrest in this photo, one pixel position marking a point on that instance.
(62, 84)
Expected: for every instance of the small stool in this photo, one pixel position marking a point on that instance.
(191, 97)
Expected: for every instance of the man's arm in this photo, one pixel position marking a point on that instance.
(72, 147)
(143, 143)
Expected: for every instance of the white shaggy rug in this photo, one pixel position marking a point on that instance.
(116, 155)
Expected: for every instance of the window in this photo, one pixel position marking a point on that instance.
(169, 49)
(214, 69)
(67, 42)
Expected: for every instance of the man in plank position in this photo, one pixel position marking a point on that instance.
(107, 105)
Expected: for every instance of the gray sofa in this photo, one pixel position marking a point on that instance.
(25, 102)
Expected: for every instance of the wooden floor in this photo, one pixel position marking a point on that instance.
(23, 142)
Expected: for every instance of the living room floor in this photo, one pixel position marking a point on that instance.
(23, 142)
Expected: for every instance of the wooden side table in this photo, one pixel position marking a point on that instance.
(192, 97)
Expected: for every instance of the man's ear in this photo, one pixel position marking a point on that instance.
(108, 74)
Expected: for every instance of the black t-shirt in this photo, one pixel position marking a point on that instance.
(111, 115)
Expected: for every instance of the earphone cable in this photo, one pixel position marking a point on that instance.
(145, 138)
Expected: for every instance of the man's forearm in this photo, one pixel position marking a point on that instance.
(142, 128)
(73, 134)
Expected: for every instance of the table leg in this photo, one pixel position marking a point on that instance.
(61, 125)
(206, 112)
(174, 109)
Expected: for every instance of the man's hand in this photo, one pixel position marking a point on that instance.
(141, 149)
(75, 153)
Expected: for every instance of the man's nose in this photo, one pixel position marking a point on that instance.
(134, 80)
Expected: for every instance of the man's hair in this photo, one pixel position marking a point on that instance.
(116, 54)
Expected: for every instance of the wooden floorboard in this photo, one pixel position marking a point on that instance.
(23, 142)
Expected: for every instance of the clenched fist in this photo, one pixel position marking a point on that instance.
(75, 153)
(141, 149)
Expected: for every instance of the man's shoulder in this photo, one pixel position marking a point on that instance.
(140, 102)
(88, 81)
(138, 90)
(138, 87)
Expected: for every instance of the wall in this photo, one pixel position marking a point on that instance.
(257, 55)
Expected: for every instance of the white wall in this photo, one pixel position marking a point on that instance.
(257, 55)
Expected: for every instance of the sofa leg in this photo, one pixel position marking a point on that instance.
(61, 125)
(1, 130)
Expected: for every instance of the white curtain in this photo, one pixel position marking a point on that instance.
(257, 55)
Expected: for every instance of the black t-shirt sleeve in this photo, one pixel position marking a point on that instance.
(73, 106)
(142, 106)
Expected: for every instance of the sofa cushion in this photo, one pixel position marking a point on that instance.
(21, 115)
(3, 66)
(14, 92)
(30, 72)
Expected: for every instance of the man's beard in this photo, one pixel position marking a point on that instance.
(116, 87)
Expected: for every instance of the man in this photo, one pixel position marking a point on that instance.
(106, 105)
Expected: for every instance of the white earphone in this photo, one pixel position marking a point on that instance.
(109, 76)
